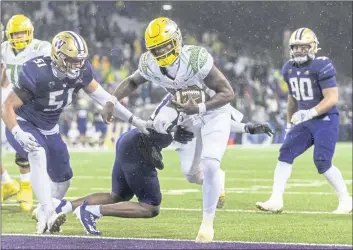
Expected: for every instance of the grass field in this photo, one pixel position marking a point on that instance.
(309, 199)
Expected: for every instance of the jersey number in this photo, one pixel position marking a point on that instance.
(302, 90)
(14, 71)
(53, 96)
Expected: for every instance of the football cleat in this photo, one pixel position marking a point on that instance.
(57, 204)
(42, 226)
(222, 196)
(344, 206)
(8, 189)
(87, 219)
(55, 221)
(221, 200)
(25, 196)
(205, 235)
(270, 206)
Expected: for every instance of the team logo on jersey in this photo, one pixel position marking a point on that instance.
(307, 72)
(51, 85)
(79, 80)
(298, 73)
(59, 43)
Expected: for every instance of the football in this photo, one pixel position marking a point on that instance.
(198, 94)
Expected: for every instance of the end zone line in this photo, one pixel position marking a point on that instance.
(171, 240)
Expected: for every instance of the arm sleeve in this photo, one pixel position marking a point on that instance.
(144, 67)
(204, 63)
(26, 86)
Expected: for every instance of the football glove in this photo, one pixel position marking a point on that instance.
(258, 128)
(182, 135)
(303, 115)
(27, 141)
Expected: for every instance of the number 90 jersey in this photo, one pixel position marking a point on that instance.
(44, 95)
(306, 83)
(14, 62)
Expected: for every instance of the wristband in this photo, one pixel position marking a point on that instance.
(313, 112)
(16, 129)
(202, 108)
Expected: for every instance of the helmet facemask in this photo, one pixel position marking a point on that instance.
(69, 66)
(20, 39)
(165, 54)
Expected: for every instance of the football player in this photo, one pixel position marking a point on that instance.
(134, 173)
(312, 117)
(173, 66)
(19, 48)
(31, 113)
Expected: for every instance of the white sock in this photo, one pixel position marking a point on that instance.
(222, 176)
(40, 179)
(58, 190)
(334, 177)
(282, 173)
(67, 208)
(211, 189)
(95, 209)
(25, 177)
(5, 176)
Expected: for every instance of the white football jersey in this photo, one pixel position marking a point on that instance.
(14, 62)
(190, 69)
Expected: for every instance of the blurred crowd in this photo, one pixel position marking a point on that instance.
(116, 42)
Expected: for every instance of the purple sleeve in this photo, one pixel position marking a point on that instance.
(88, 74)
(327, 75)
(284, 73)
(26, 78)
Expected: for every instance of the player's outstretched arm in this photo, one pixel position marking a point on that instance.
(97, 93)
(216, 81)
(129, 85)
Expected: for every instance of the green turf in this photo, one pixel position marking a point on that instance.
(249, 173)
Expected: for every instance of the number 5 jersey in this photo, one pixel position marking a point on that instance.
(306, 82)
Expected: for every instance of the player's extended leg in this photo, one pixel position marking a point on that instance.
(297, 141)
(47, 218)
(215, 134)
(325, 137)
(9, 187)
(25, 195)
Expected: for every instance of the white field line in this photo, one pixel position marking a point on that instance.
(199, 209)
(171, 240)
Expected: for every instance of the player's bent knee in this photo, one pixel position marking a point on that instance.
(20, 161)
(195, 178)
(150, 210)
(322, 166)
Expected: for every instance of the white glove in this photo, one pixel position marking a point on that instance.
(161, 124)
(140, 124)
(303, 115)
(25, 139)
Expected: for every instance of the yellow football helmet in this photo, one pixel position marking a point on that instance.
(69, 53)
(307, 39)
(163, 40)
(19, 24)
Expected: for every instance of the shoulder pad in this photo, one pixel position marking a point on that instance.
(198, 57)
(323, 67)
(143, 63)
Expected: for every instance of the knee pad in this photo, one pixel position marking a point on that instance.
(196, 178)
(21, 161)
(322, 165)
